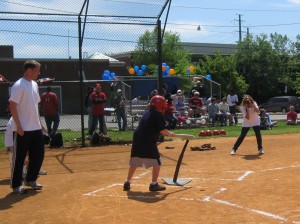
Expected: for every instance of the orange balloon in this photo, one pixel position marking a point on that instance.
(163, 68)
(171, 71)
(192, 69)
(131, 71)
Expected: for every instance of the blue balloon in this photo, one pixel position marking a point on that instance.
(188, 71)
(136, 68)
(164, 64)
(167, 68)
(106, 72)
(208, 76)
(112, 75)
(105, 77)
(140, 72)
(143, 67)
(165, 74)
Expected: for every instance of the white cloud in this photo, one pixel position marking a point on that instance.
(297, 2)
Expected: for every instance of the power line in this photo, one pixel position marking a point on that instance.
(245, 10)
(261, 25)
(32, 6)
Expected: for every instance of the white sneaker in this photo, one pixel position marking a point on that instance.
(261, 151)
(43, 172)
(232, 152)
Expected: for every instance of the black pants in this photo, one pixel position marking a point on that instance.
(97, 118)
(243, 135)
(32, 142)
(232, 110)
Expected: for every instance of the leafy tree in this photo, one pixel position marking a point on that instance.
(223, 71)
(173, 52)
(260, 65)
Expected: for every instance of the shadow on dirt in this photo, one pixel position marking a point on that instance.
(9, 200)
(151, 197)
(5, 182)
(251, 157)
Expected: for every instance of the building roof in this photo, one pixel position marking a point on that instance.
(209, 48)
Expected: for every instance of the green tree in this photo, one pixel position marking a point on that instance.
(223, 71)
(259, 63)
(173, 52)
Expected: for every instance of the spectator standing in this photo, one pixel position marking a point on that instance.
(165, 91)
(119, 104)
(49, 104)
(98, 100)
(174, 90)
(199, 88)
(144, 151)
(88, 105)
(29, 137)
(292, 117)
(232, 101)
(250, 112)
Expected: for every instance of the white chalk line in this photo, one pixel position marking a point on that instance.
(267, 214)
(208, 198)
(203, 199)
(141, 175)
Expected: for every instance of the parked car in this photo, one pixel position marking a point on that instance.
(281, 104)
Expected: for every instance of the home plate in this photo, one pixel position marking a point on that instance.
(177, 182)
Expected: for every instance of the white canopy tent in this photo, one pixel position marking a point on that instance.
(102, 56)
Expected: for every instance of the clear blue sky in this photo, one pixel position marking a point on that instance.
(218, 19)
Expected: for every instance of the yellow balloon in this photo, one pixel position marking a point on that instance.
(192, 69)
(131, 71)
(171, 71)
(163, 68)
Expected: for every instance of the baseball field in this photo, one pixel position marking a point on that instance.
(85, 185)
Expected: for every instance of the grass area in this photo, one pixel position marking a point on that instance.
(126, 136)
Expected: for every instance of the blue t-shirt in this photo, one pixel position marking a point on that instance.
(146, 134)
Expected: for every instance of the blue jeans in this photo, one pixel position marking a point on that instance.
(52, 119)
(121, 115)
(243, 135)
(172, 121)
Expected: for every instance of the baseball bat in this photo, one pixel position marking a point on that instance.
(184, 136)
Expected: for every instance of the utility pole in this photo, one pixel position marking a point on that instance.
(240, 28)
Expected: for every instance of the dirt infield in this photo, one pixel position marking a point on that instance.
(85, 186)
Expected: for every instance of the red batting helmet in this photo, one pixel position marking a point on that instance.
(158, 102)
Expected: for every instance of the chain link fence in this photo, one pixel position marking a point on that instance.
(65, 37)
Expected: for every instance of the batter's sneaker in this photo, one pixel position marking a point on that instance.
(20, 190)
(126, 186)
(156, 187)
(33, 184)
(43, 172)
(261, 151)
(233, 152)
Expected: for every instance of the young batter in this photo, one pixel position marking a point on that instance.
(250, 113)
(144, 151)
